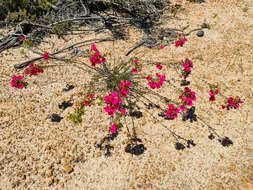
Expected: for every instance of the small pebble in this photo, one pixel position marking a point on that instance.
(49, 181)
(204, 25)
(200, 33)
(68, 169)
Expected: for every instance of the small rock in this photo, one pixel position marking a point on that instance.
(8, 134)
(49, 173)
(22, 158)
(204, 25)
(49, 181)
(211, 136)
(68, 169)
(200, 33)
(23, 176)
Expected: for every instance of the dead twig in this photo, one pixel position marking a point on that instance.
(51, 55)
(135, 47)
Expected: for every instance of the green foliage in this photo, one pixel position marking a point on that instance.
(27, 43)
(117, 1)
(19, 10)
(76, 117)
(61, 28)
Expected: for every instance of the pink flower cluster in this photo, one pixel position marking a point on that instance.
(124, 88)
(45, 56)
(134, 70)
(114, 128)
(137, 65)
(172, 112)
(17, 81)
(32, 70)
(87, 102)
(180, 41)
(232, 103)
(154, 83)
(187, 68)
(188, 96)
(159, 66)
(212, 95)
(96, 58)
(114, 99)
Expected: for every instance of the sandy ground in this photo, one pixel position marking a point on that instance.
(36, 153)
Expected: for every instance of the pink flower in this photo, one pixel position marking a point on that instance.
(97, 54)
(232, 103)
(211, 93)
(182, 108)
(31, 64)
(45, 56)
(19, 77)
(172, 112)
(178, 43)
(134, 70)
(22, 38)
(86, 102)
(114, 94)
(181, 41)
(91, 96)
(107, 99)
(32, 70)
(114, 128)
(20, 85)
(186, 89)
(161, 47)
(176, 111)
(17, 82)
(171, 106)
(123, 110)
(216, 91)
(158, 66)
(212, 99)
(163, 78)
(104, 60)
(187, 69)
(149, 78)
(188, 101)
(14, 77)
(108, 110)
(13, 83)
(135, 60)
(93, 47)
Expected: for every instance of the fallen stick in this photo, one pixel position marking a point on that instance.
(26, 63)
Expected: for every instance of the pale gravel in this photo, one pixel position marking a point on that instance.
(32, 145)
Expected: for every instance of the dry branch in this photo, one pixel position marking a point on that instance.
(26, 63)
